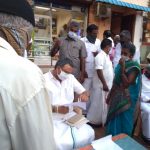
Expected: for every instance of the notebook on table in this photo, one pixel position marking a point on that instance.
(77, 120)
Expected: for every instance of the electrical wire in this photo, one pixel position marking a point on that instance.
(73, 138)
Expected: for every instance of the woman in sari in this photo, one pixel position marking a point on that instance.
(124, 94)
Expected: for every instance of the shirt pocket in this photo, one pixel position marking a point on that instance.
(75, 51)
(69, 94)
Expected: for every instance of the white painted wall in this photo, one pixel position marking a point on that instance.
(138, 31)
(62, 20)
(138, 2)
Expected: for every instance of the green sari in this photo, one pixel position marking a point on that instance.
(120, 118)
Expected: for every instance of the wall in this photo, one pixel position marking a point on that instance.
(61, 19)
(138, 2)
(145, 50)
(116, 25)
(66, 17)
(138, 31)
(102, 24)
(106, 24)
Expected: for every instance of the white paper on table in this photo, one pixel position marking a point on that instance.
(63, 117)
(69, 115)
(80, 104)
(105, 143)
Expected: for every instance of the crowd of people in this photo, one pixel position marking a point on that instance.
(103, 74)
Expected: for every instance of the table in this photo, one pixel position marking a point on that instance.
(124, 141)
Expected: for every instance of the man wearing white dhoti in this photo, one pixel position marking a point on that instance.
(62, 85)
(102, 83)
(92, 47)
(145, 103)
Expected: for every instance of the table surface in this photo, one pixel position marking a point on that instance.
(121, 140)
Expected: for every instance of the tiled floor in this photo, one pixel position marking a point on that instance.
(100, 132)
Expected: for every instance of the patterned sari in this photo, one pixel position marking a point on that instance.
(120, 118)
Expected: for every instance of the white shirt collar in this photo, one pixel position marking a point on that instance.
(51, 76)
(86, 40)
(104, 53)
(7, 47)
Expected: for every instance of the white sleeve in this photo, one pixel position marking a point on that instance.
(78, 88)
(5, 139)
(145, 97)
(99, 61)
(83, 39)
(33, 126)
(98, 45)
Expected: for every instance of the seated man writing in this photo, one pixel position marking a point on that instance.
(62, 85)
(145, 104)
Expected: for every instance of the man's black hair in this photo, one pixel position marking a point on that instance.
(126, 34)
(107, 33)
(131, 47)
(91, 27)
(63, 62)
(105, 42)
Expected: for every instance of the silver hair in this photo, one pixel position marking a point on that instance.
(15, 23)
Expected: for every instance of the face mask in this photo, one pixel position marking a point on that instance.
(63, 75)
(91, 39)
(147, 74)
(72, 35)
(126, 58)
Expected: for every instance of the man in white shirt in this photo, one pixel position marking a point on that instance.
(25, 118)
(117, 55)
(145, 104)
(92, 47)
(62, 85)
(125, 37)
(102, 83)
(107, 35)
